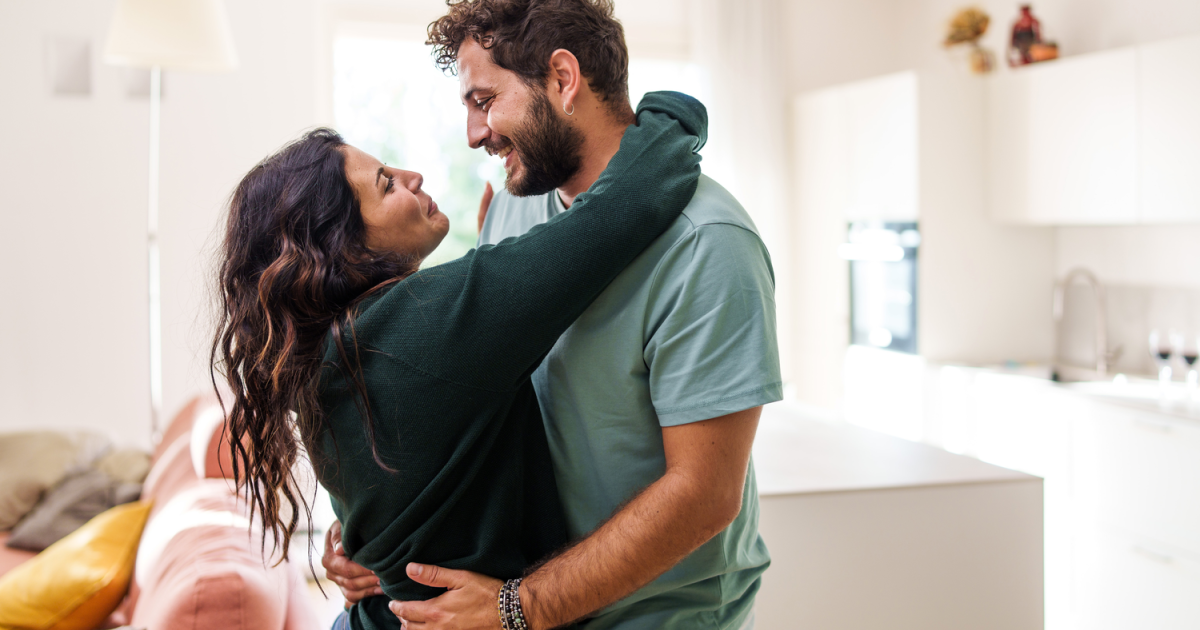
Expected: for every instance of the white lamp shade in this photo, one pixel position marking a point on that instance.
(172, 34)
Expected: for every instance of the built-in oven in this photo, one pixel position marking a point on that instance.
(883, 284)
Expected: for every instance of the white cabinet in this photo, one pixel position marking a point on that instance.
(867, 531)
(1062, 141)
(1169, 125)
(1140, 471)
(1109, 138)
(1122, 491)
(1023, 424)
(881, 135)
(865, 138)
(1130, 582)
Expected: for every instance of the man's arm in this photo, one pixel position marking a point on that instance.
(699, 496)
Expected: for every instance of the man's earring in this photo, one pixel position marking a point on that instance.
(569, 113)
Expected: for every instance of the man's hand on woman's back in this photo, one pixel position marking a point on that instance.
(355, 581)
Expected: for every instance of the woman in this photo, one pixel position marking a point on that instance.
(411, 389)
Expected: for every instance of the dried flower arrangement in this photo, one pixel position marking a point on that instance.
(967, 27)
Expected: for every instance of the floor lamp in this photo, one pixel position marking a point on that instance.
(174, 35)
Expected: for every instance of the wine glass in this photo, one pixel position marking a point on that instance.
(1160, 349)
(1188, 348)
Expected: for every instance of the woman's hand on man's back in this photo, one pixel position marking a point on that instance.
(484, 205)
(355, 581)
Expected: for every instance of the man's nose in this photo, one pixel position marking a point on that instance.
(477, 129)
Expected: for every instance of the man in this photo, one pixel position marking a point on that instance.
(652, 398)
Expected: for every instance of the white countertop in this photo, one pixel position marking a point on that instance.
(795, 454)
(1133, 391)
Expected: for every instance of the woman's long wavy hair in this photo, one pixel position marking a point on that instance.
(292, 266)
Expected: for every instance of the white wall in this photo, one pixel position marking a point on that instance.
(72, 262)
(1079, 26)
(829, 43)
(1162, 256)
(71, 268)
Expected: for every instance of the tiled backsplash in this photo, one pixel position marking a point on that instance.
(1132, 313)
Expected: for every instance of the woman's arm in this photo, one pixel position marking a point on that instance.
(494, 313)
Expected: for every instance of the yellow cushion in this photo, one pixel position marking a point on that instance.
(77, 582)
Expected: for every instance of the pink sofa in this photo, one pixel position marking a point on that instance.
(11, 558)
(197, 566)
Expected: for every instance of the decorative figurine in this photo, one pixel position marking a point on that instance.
(1026, 45)
(966, 27)
(1026, 32)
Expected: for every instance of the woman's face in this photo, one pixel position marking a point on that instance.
(399, 216)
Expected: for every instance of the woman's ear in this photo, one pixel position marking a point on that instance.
(565, 79)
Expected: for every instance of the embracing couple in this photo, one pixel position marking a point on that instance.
(553, 429)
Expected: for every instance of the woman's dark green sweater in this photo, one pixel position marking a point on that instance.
(446, 357)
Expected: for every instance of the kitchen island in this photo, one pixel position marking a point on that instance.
(1120, 470)
(869, 531)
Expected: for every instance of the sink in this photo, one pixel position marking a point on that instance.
(1134, 389)
(1139, 391)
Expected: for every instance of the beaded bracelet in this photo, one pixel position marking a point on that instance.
(500, 609)
(508, 605)
(515, 612)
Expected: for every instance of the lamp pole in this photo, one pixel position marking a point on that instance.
(153, 261)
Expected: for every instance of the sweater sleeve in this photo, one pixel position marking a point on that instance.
(488, 318)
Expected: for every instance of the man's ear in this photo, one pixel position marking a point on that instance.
(565, 79)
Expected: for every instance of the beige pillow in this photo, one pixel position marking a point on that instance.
(33, 461)
(127, 465)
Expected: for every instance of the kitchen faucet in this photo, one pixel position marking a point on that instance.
(1104, 358)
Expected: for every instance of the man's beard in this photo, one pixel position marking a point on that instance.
(548, 148)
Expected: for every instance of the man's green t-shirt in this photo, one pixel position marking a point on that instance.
(685, 333)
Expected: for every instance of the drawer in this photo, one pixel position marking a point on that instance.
(1140, 472)
(1128, 582)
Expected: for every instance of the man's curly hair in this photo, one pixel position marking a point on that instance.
(522, 34)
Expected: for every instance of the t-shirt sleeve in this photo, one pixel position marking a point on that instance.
(711, 343)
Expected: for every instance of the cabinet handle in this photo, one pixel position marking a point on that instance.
(1160, 426)
(1158, 557)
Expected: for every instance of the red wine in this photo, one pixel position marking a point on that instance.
(1189, 358)
(1164, 355)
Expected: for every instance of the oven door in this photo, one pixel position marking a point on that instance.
(883, 284)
